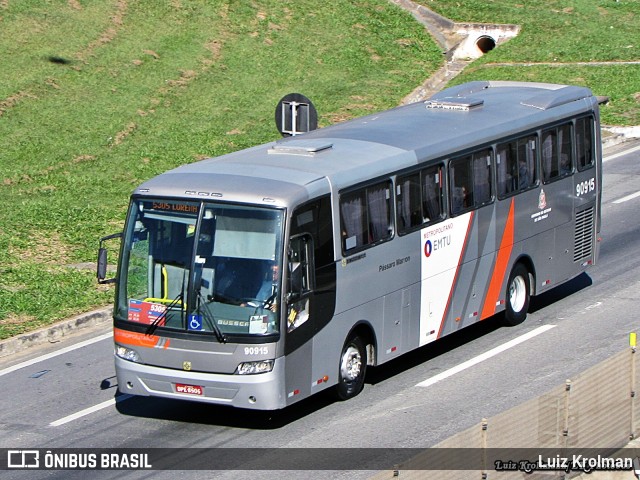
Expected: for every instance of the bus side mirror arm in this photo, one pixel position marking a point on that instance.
(101, 272)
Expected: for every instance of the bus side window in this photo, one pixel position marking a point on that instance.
(310, 265)
(481, 177)
(584, 143)
(379, 211)
(502, 167)
(352, 217)
(556, 152)
(516, 163)
(300, 274)
(300, 271)
(460, 181)
(366, 216)
(526, 162)
(566, 154)
(549, 155)
(470, 181)
(432, 194)
(419, 198)
(409, 202)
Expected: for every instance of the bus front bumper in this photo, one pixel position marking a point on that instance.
(264, 391)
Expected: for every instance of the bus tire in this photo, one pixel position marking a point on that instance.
(352, 368)
(518, 295)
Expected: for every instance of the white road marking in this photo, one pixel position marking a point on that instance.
(480, 358)
(627, 198)
(62, 351)
(593, 305)
(620, 154)
(90, 410)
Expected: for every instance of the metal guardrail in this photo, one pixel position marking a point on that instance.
(598, 411)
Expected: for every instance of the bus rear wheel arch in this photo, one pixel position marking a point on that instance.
(518, 295)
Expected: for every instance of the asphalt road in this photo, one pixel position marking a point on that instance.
(70, 400)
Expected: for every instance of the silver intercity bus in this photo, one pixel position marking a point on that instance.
(261, 277)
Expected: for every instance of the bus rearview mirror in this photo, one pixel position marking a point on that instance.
(102, 265)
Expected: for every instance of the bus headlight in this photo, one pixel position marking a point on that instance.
(127, 354)
(251, 368)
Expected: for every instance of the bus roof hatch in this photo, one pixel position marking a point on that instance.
(454, 103)
(547, 99)
(307, 148)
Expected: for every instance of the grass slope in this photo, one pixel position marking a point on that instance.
(560, 34)
(97, 96)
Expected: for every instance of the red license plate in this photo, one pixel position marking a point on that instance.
(190, 389)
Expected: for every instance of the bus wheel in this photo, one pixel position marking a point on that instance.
(518, 289)
(353, 364)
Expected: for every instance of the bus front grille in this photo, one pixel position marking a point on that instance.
(583, 247)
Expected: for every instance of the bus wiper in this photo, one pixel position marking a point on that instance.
(152, 327)
(208, 316)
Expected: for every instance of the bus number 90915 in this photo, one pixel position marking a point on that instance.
(256, 350)
(585, 187)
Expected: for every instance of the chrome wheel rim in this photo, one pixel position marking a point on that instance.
(351, 364)
(517, 294)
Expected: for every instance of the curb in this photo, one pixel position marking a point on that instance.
(55, 333)
(612, 136)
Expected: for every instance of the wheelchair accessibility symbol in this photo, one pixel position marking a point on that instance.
(195, 322)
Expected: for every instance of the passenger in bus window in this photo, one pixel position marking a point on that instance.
(432, 194)
(523, 175)
(565, 164)
(504, 178)
(481, 175)
(549, 155)
(459, 199)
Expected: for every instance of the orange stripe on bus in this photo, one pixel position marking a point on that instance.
(137, 339)
(455, 278)
(500, 267)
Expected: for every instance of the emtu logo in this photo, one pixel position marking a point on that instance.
(428, 248)
(23, 459)
(437, 244)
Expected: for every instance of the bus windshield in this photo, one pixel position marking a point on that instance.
(201, 268)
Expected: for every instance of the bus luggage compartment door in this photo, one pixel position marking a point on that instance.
(396, 305)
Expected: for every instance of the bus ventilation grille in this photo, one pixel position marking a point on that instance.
(583, 247)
